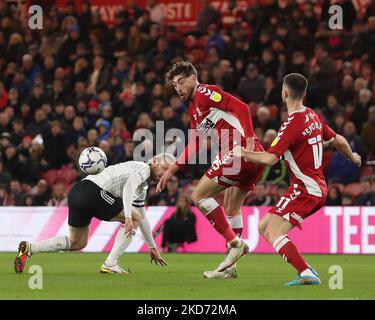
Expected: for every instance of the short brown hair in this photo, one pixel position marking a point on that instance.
(184, 68)
(297, 85)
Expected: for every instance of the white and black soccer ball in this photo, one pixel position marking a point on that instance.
(92, 160)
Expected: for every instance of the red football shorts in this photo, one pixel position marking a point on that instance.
(295, 206)
(228, 171)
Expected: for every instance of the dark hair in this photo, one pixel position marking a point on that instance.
(183, 68)
(297, 85)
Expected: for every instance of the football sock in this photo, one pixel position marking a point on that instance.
(236, 223)
(288, 251)
(215, 214)
(122, 242)
(54, 244)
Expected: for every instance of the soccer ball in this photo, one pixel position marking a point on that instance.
(92, 160)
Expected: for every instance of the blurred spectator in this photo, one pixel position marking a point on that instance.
(338, 123)
(156, 11)
(333, 197)
(368, 132)
(29, 200)
(16, 193)
(42, 193)
(5, 196)
(263, 119)
(261, 197)
(58, 198)
(126, 154)
(367, 195)
(251, 87)
(321, 71)
(347, 200)
(5, 177)
(331, 109)
(169, 196)
(180, 227)
(55, 144)
(340, 169)
(106, 147)
(207, 16)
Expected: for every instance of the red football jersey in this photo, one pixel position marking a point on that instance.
(300, 140)
(212, 108)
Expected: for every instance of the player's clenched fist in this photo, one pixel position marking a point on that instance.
(357, 159)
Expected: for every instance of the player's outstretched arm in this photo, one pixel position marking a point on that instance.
(147, 234)
(166, 177)
(343, 146)
(263, 157)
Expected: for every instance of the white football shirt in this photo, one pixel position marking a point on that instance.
(126, 180)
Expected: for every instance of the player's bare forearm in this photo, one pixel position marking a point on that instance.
(250, 143)
(263, 157)
(344, 148)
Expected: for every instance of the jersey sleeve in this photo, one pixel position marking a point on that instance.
(135, 179)
(215, 97)
(327, 131)
(288, 134)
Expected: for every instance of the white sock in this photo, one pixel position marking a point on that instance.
(122, 242)
(235, 221)
(307, 272)
(54, 244)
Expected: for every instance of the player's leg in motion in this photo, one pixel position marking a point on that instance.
(121, 243)
(203, 198)
(274, 229)
(233, 201)
(76, 241)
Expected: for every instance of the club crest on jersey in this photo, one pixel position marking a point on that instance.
(215, 96)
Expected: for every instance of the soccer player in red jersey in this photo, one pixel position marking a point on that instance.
(300, 141)
(214, 110)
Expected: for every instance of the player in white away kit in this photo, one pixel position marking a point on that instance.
(116, 194)
(300, 141)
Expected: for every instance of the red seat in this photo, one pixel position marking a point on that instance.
(353, 189)
(50, 176)
(340, 186)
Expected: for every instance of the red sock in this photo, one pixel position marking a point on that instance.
(288, 251)
(238, 231)
(219, 222)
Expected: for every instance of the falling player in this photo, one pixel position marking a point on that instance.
(300, 140)
(110, 195)
(212, 109)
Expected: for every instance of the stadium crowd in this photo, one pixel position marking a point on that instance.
(80, 82)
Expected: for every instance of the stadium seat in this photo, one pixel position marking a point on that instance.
(353, 189)
(367, 171)
(274, 110)
(340, 186)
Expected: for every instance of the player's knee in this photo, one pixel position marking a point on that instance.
(196, 197)
(262, 227)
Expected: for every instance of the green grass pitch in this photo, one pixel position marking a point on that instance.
(76, 276)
